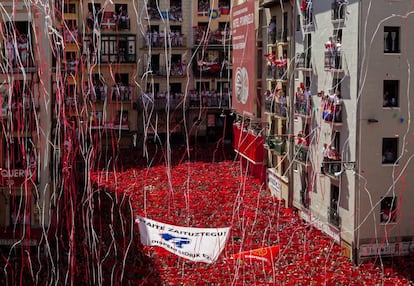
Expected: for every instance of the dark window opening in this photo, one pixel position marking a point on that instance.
(388, 212)
(203, 6)
(333, 210)
(391, 39)
(391, 92)
(389, 150)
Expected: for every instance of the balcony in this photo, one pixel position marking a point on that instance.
(174, 14)
(120, 93)
(276, 144)
(332, 110)
(98, 92)
(302, 153)
(282, 37)
(333, 61)
(338, 11)
(332, 167)
(22, 121)
(19, 62)
(217, 38)
(109, 20)
(278, 73)
(220, 68)
(303, 107)
(116, 48)
(210, 100)
(333, 217)
(156, 40)
(303, 62)
(276, 108)
(160, 102)
(19, 104)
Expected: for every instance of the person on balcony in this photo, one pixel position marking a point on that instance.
(325, 161)
(338, 101)
(330, 46)
(299, 98)
(302, 141)
(10, 50)
(272, 30)
(307, 101)
(337, 52)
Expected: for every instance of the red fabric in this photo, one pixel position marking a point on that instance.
(265, 254)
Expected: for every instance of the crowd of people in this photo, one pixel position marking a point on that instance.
(303, 101)
(174, 14)
(331, 159)
(17, 50)
(333, 53)
(220, 36)
(160, 39)
(331, 106)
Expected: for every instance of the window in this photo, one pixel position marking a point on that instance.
(19, 210)
(336, 85)
(70, 8)
(203, 7)
(297, 23)
(121, 16)
(175, 11)
(333, 213)
(389, 150)
(391, 39)
(175, 88)
(153, 88)
(118, 48)
(391, 91)
(388, 212)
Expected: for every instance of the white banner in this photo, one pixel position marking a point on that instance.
(195, 244)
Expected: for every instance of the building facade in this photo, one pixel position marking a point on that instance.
(25, 100)
(351, 123)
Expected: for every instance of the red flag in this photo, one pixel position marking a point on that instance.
(265, 254)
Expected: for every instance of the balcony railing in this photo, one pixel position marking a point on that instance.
(331, 167)
(282, 36)
(121, 93)
(333, 217)
(113, 21)
(301, 153)
(276, 144)
(207, 37)
(25, 103)
(303, 107)
(97, 93)
(215, 100)
(338, 10)
(333, 60)
(277, 108)
(115, 48)
(276, 73)
(304, 61)
(176, 69)
(220, 68)
(17, 62)
(174, 14)
(159, 41)
(332, 110)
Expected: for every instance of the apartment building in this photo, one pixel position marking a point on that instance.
(248, 132)
(278, 49)
(352, 126)
(25, 89)
(184, 69)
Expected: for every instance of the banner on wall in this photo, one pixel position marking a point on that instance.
(192, 243)
(244, 59)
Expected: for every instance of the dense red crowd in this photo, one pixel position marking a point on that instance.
(202, 194)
